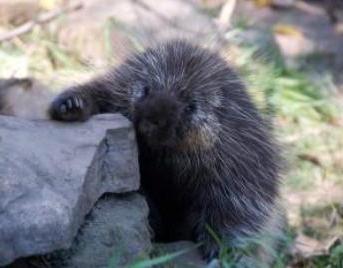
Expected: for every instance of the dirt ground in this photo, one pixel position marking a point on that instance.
(319, 37)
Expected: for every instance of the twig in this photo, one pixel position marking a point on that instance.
(41, 19)
(310, 158)
(226, 12)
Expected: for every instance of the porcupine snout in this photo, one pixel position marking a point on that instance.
(157, 118)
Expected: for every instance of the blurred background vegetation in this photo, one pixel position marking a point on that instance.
(290, 54)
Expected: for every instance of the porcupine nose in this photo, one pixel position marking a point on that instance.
(158, 117)
(150, 126)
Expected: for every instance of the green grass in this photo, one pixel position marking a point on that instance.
(306, 117)
(333, 260)
(164, 259)
(228, 256)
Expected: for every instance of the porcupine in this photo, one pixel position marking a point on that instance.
(208, 161)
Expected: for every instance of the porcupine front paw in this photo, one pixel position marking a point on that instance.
(69, 106)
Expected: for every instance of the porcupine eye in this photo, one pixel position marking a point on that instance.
(190, 108)
(146, 91)
(140, 92)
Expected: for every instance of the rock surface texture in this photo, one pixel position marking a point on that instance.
(52, 174)
(115, 234)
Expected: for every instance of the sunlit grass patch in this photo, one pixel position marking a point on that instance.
(307, 119)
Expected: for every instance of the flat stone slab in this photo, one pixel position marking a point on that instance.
(115, 234)
(51, 175)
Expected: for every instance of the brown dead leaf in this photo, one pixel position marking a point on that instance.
(286, 29)
(310, 158)
(262, 3)
(306, 248)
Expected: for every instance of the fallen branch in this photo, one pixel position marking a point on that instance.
(226, 12)
(41, 19)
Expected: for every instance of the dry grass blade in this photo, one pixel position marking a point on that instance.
(226, 12)
(41, 19)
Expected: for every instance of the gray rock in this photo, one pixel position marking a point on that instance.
(131, 25)
(51, 175)
(115, 234)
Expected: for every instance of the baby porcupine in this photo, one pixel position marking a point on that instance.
(207, 158)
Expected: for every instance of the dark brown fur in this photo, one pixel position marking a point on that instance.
(207, 158)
